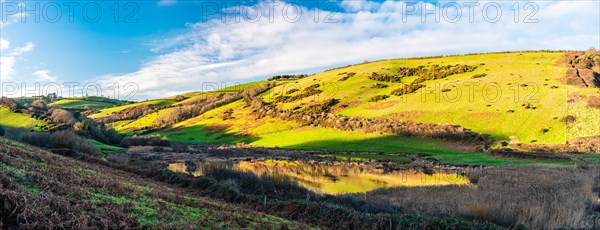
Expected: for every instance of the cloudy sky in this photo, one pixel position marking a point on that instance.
(166, 47)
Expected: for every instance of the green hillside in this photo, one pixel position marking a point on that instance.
(517, 97)
(36, 183)
(87, 102)
(532, 79)
(10, 119)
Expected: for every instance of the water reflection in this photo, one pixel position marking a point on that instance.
(330, 177)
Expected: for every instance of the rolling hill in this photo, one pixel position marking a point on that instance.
(512, 97)
(88, 103)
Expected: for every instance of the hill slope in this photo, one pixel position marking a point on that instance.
(87, 103)
(518, 97)
(39, 189)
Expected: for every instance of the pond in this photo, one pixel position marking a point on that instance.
(329, 177)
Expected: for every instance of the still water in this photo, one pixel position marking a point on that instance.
(330, 177)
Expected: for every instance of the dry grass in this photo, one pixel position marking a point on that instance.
(537, 198)
(41, 190)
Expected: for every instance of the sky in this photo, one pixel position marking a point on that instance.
(139, 50)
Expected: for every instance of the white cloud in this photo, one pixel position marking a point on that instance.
(20, 50)
(44, 75)
(166, 2)
(4, 44)
(8, 61)
(228, 52)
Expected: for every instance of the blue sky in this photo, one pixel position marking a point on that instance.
(173, 46)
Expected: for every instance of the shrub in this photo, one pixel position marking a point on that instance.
(407, 89)
(2, 131)
(70, 140)
(479, 75)
(61, 116)
(344, 78)
(144, 141)
(58, 140)
(9, 103)
(379, 86)
(288, 77)
(378, 98)
(383, 77)
(180, 98)
(568, 119)
(307, 92)
(320, 107)
(292, 91)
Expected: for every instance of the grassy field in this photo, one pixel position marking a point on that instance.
(109, 111)
(491, 105)
(9, 119)
(87, 102)
(271, 132)
(521, 99)
(105, 147)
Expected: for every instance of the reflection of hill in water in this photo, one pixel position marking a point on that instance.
(331, 177)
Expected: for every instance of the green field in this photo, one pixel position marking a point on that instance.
(9, 119)
(87, 102)
(521, 99)
(109, 111)
(480, 104)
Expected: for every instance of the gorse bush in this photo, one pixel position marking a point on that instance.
(407, 88)
(320, 107)
(379, 86)
(423, 73)
(306, 92)
(378, 98)
(479, 75)
(288, 77)
(292, 91)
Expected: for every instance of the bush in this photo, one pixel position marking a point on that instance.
(568, 119)
(407, 89)
(307, 92)
(57, 140)
(70, 140)
(320, 107)
(292, 91)
(62, 117)
(378, 98)
(9, 103)
(288, 77)
(479, 75)
(179, 98)
(2, 131)
(144, 141)
(379, 86)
